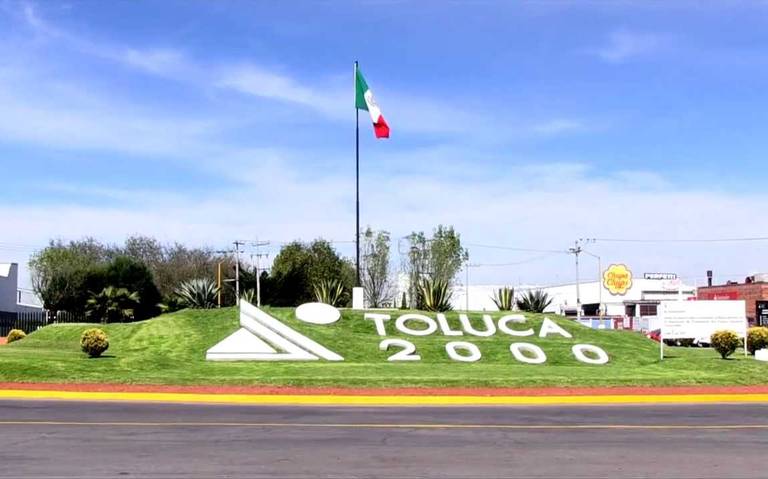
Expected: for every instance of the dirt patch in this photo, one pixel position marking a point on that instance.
(2, 341)
(277, 390)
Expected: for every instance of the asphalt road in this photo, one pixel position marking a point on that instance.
(85, 440)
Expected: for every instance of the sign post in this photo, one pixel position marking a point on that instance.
(761, 313)
(699, 319)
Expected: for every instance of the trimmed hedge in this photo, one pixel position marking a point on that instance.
(757, 338)
(725, 342)
(15, 335)
(94, 342)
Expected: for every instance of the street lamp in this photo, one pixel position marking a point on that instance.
(599, 279)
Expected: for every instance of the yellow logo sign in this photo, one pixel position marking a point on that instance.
(617, 279)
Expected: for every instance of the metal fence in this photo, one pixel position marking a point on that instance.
(29, 321)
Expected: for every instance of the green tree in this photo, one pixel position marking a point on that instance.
(375, 274)
(113, 305)
(67, 275)
(446, 255)
(438, 258)
(64, 274)
(265, 284)
(299, 267)
(174, 264)
(133, 275)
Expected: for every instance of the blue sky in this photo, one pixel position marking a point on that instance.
(525, 124)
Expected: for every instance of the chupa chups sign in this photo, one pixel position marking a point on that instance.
(262, 337)
(617, 279)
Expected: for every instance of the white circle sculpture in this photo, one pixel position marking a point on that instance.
(317, 313)
(472, 351)
(519, 349)
(579, 353)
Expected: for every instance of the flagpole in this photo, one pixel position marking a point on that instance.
(357, 183)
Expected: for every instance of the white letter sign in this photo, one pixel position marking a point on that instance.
(550, 327)
(378, 320)
(401, 326)
(474, 352)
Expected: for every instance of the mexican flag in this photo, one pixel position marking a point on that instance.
(364, 101)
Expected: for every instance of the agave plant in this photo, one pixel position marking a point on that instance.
(534, 301)
(112, 305)
(329, 291)
(504, 298)
(197, 293)
(435, 295)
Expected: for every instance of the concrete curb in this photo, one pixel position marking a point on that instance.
(379, 400)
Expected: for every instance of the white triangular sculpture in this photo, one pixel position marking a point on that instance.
(264, 338)
(239, 343)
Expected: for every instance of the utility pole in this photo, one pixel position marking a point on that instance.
(237, 270)
(258, 255)
(220, 277)
(599, 279)
(576, 251)
(466, 288)
(218, 284)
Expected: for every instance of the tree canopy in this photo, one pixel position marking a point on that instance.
(299, 267)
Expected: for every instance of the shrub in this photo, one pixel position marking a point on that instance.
(534, 301)
(403, 302)
(329, 291)
(757, 338)
(724, 342)
(112, 305)
(299, 267)
(435, 295)
(131, 274)
(94, 342)
(198, 293)
(504, 298)
(15, 335)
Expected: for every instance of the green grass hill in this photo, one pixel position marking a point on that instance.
(171, 349)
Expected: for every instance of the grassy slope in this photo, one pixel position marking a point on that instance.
(171, 350)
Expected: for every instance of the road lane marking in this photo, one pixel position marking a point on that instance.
(373, 400)
(287, 425)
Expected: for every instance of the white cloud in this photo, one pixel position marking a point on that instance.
(331, 96)
(623, 45)
(54, 114)
(261, 82)
(557, 126)
(160, 61)
(281, 203)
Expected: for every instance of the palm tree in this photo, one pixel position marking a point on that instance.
(112, 305)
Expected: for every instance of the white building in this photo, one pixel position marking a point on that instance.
(13, 299)
(640, 300)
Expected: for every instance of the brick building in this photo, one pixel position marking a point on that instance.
(752, 291)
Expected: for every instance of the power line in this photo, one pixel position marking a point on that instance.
(511, 248)
(516, 263)
(687, 240)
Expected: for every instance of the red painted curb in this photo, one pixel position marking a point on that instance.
(343, 391)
